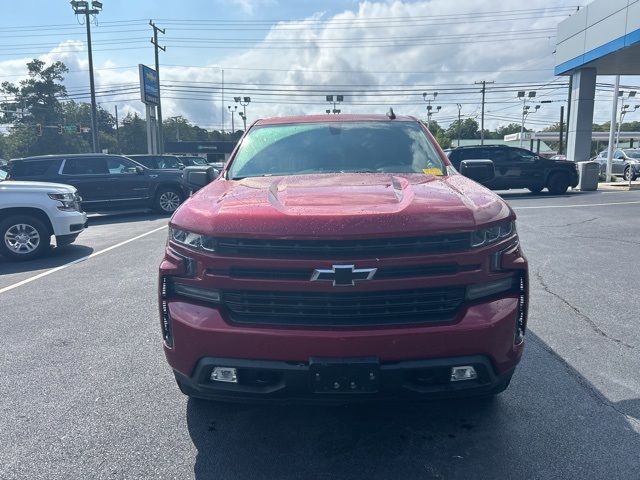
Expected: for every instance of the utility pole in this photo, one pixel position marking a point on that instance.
(117, 131)
(484, 91)
(82, 8)
(157, 47)
(459, 121)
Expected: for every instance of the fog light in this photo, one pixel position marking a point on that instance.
(466, 372)
(224, 374)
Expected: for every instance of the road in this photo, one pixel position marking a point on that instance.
(86, 392)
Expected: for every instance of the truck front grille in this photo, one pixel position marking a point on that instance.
(342, 248)
(344, 309)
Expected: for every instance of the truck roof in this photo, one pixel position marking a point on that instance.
(333, 118)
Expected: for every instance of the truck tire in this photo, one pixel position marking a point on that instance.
(535, 190)
(23, 237)
(558, 183)
(167, 200)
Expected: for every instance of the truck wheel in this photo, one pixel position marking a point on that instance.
(628, 172)
(23, 238)
(168, 199)
(535, 190)
(558, 183)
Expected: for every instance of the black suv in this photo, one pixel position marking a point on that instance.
(520, 168)
(106, 182)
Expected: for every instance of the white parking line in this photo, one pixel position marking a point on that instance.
(576, 206)
(62, 267)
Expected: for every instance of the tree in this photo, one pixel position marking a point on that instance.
(509, 129)
(37, 101)
(133, 134)
(468, 129)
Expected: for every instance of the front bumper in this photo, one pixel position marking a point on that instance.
(68, 223)
(282, 382)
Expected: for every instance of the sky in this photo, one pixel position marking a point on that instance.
(288, 55)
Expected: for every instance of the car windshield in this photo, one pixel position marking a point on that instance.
(196, 160)
(345, 147)
(632, 153)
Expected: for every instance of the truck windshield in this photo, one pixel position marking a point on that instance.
(345, 147)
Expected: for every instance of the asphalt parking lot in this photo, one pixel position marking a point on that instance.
(86, 392)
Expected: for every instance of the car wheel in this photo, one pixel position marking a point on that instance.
(168, 200)
(629, 174)
(23, 238)
(535, 189)
(558, 183)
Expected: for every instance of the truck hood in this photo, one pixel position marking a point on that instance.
(20, 186)
(340, 205)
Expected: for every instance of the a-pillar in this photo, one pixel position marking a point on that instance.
(579, 130)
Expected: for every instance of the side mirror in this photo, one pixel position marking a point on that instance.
(479, 170)
(139, 170)
(198, 176)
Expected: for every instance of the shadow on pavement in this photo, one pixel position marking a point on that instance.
(527, 195)
(550, 423)
(56, 258)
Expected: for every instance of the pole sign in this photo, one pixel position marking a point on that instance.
(149, 85)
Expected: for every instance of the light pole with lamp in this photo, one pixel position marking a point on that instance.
(525, 110)
(233, 111)
(243, 101)
(427, 97)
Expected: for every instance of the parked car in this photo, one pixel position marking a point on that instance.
(106, 182)
(159, 162)
(625, 162)
(520, 168)
(31, 212)
(345, 259)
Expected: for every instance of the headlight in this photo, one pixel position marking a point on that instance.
(487, 236)
(68, 201)
(194, 241)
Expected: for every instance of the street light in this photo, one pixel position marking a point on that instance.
(244, 101)
(335, 101)
(82, 8)
(524, 96)
(233, 111)
(429, 97)
(624, 109)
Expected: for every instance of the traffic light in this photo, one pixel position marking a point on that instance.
(60, 129)
(39, 129)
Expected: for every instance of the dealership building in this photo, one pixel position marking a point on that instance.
(602, 38)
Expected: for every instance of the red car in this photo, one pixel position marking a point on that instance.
(342, 258)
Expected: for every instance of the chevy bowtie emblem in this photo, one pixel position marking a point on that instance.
(343, 275)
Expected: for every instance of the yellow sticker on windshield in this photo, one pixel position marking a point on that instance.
(432, 171)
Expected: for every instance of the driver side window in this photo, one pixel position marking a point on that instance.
(119, 166)
(618, 155)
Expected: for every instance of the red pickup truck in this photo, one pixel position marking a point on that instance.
(340, 258)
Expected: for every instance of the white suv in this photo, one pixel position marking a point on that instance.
(31, 212)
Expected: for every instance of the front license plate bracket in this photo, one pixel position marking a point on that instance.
(351, 375)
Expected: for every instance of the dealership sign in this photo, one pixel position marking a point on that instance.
(149, 85)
